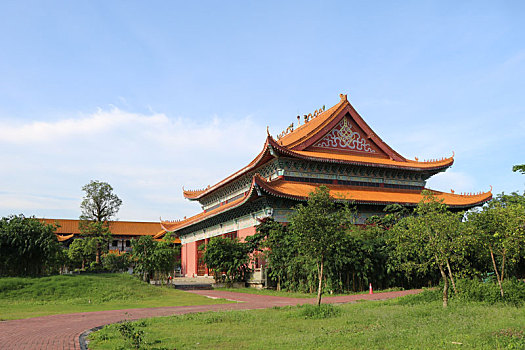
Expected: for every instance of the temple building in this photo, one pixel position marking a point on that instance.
(333, 147)
(122, 232)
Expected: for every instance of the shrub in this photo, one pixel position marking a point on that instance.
(115, 262)
(474, 290)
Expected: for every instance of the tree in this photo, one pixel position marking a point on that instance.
(430, 238)
(82, 251)
(99, 206)
(499, 227)
(227, 255)
(519, 168)
(28, 247)
(152, 256)
(143, 250)
(319, 226)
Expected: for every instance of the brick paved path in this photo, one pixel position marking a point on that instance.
(63, 331)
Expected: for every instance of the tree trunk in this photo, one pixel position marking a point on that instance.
(503, 265)
(496, 271)
(279, 283)
(97, 259)
(451, 278)
(319, 290)
(83, 264)
(445, 288)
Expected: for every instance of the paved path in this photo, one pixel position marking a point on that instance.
(63, 331)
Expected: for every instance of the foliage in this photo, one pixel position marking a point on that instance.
(82, 252)
(319, 227)
(150, 256)
(499, 228)
(116, 262)
(474, 290)
(23, 297)
(28, 247)
(519, 168)
(97, 208)
(131, 334)
(227, 256)
(432, 238)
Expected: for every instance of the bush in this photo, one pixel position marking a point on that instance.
(115, 262)
(474, 290)
(426, 296)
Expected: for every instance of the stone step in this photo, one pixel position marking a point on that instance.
(194, 286)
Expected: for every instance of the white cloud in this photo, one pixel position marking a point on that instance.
(146, 158)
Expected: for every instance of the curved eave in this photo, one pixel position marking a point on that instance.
(449, 199)
(260, 159)
(174, 227)
(408, 165)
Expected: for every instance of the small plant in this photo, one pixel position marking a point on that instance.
(318, 312)
(131, 334)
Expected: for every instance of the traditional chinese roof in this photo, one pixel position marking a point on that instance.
(382, 196)
(69, 228)
(300, 191)
(337, 135)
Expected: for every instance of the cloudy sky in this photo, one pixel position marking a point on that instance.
(153, 96)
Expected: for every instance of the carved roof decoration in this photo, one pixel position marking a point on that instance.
(353, 142)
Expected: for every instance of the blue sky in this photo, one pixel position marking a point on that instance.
(153, 96)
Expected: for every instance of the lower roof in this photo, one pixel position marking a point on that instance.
(382, 196)
(300, 191)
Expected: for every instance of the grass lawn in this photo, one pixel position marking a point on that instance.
(364, 325)
(31, 297)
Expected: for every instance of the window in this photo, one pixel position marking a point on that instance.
(114, 243)
(128, 243)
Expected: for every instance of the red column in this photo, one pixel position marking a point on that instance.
(206, 270)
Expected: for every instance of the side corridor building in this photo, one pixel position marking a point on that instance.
(333, 147)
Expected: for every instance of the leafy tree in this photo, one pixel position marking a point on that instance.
(115, 262)
(431, 238)
(143, 250)
(279, 248)
(150, 256)
(99, 206)
(228, 256)
(319, 227)
(82, 251)
(499, 227)
(519, 168)
(28, 247)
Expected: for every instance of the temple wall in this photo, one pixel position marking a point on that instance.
(245, 232)
(189, 258)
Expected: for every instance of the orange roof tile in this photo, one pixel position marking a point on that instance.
(62, 238)
(127, 228)
(171, 226)
(351, 158)
(300, 191)
(295, 144)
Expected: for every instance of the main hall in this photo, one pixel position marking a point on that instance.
(333, 147)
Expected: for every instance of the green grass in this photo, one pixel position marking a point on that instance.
(364, 325)
(31, 297)
(275, 293)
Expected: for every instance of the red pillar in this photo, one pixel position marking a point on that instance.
(206, 270)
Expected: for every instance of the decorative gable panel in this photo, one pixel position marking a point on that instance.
(347, 136)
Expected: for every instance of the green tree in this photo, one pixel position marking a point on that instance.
(143, 251)
(319, 227)
(28, 247)
(433, 237)
(150, 256)
(99, 206)
(519, 168)
(499, 227)
(228, 256)
(82, 251)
